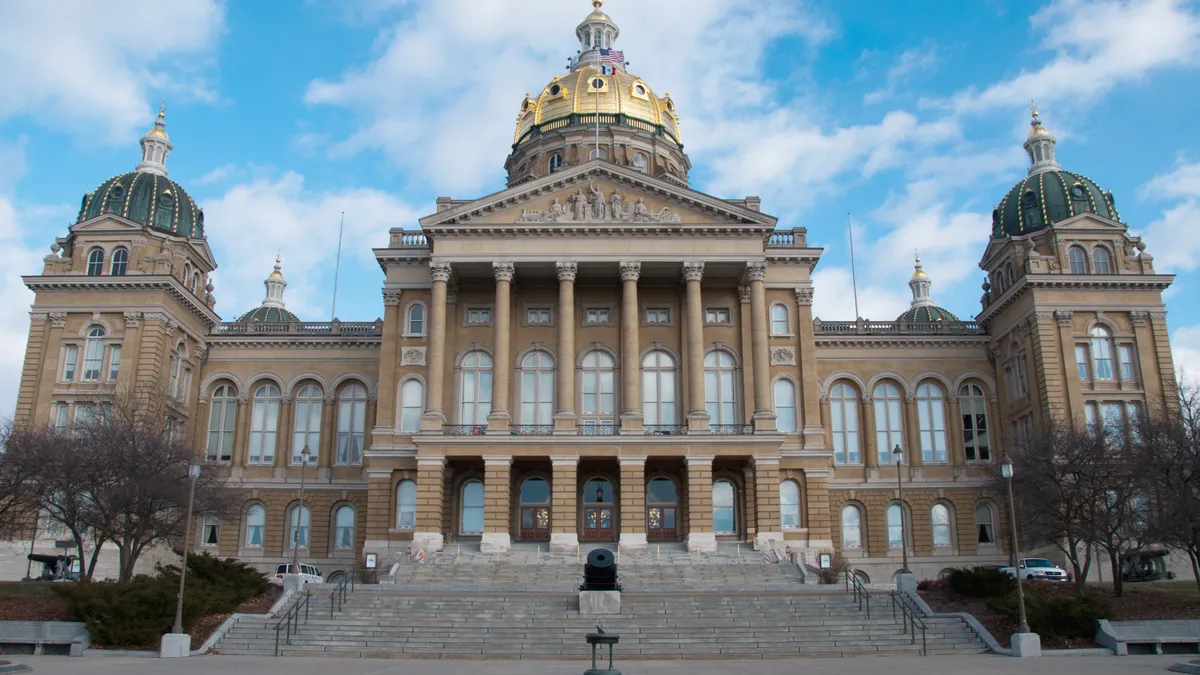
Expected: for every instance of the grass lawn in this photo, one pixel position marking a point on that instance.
(1180, 587)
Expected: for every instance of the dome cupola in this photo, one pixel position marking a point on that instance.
(272, 309)
(923, 310)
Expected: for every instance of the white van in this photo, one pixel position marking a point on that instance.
(308, 574)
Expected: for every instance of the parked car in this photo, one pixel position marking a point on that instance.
(1039, 568)
(308, 574)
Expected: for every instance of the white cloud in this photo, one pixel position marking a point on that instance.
(1096, 46)
(1185, 348)
(95, 66)
(918, 60)
(833, 299)
(1171, 239)
(250, 222)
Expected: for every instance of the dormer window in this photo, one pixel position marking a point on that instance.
(556, 162)
(1077, 259)
(95, 262)
(1079, 199)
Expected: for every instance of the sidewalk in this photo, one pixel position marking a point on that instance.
(976, 664)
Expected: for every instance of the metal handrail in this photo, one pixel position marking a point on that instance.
(909, 621)
(531, 430)
(731, 429)
(337, 598)
(665, 429)
(860, 592)
(464, 429)
(291, 619)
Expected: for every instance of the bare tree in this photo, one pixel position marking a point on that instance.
(17, 509)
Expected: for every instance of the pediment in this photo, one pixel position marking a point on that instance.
(594, 195)
(107, 222)
(1089, 221)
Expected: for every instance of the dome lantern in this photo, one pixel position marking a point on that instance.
(156, 145)
(922, 309)
(1040, 145)
(920, 285)
(272, 309)
(596, 36)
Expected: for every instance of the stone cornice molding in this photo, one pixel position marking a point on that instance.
(630, 270)
(880, 341)
(430, 462)
(293, 342)
(566, 270)
(1102, 282)
(624, 460)
(565, 461)
(693, 270)
(139, 282)
(497, 461)
(698, 460)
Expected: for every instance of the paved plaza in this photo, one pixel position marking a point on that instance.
(975, 664)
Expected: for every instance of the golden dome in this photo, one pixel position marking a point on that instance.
(276, 273)
(619, 93)
(160, 125)
(918, 271)
(1035, 124)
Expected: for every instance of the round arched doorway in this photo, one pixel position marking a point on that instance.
(662, 503)
(535, 510)
(598, 512)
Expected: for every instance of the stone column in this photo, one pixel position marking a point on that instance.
(764, 412)
(867, 438)
(810, 396)
(700, 513)
(283, 439)
(324, 456)
(497, 495)
(697, 415)
(633, 503)
(499, 419)
(1066, 341)
(745, 321)
(564, 416)
(389, 361)
(912, 432)
(1163, 359)
(820, 518)
(631, 366)
(766, 498)
(564, 533)
(431, 487)
(750, 501)
(954, 434)
(241, 436)
(433, 417)
(379, 516)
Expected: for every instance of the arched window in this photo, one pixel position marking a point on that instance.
(599, 401)
(640, 163)
(843, 413)
(222, 414)
(120, 263)
(1016, 376)
(984, 532)
(785, 405)
(412, 400)
(895, 527)
(416, 320)
(306, 432)
(93, 355)
(352, 422)
(939, 517)
(789, 504)
(264, 420)
(658, 388)
(1101, 261)
(299, 521)
(476, 386)
(173, 387)
(851, 527)
(931, 416)
(889, 421)
(556, 162)
(1102, 359)
(256, 523)
(195, 282)
(720, 398)
(537, 388)
(471, 521)
(95, 262)
(779, 320)
(1078, 260)
(1009, 277)
(406, 505)
(343, 527)
(974, 423)
(724, 511)
(598, 153)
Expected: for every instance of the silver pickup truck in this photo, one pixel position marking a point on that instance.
(1039, 568)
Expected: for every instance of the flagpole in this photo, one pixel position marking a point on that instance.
(336, 266)
(601, 75)
(853, 272)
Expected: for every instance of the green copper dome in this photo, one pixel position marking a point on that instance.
(147, 199)
(268, 315)
(1048, 197)
(926, 314)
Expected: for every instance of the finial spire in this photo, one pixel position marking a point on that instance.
(597, 3)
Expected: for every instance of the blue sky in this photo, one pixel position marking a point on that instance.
(909, 116)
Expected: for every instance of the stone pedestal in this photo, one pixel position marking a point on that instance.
(1026, 645)
(495, 542)
(599, 602)
(564, 542)
(704, 542)
(175, 646)
(292, 583)
(633, 541)
(428, 541)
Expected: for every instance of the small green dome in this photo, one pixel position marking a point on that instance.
(147, 199)
(268, 315)
(926, 314)
(1048, 197)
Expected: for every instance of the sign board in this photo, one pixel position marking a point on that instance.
(371, 561)
(826, 561)
(64, 543)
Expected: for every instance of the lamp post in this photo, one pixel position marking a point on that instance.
(193, 474)
(1006, 470)
(304, 455)
(898, 455)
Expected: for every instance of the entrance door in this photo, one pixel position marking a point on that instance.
(598, 512)
(661, 510)
(535, 510)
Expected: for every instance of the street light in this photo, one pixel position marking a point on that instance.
(1006, 470)
(898, 455)
(304, 455)
(193, 474)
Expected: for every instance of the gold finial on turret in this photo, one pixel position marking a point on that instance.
(918, 272)
(1035, 120)
(597, 3)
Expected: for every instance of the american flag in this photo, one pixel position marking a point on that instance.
(612, 56)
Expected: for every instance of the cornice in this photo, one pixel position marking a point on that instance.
(880, 341)
(1091, 282)
(138, 282)
(292, 342)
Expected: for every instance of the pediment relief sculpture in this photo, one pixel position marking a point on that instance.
(594, 206)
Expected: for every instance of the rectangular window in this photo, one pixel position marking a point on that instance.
(538, 317)
(598, 315)
(658, 315)
(84, 414)
(93, 356)
(1081, 362)
(211, 534)
(114, 363)
(1133, 418)
(1022, 377)
(479, 317)
(1089, 413)
(61, 416)
(1114, 423)
(715, 315)
(70, 359)
(1125, 352)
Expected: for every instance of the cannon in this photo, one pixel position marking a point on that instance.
(600, 572)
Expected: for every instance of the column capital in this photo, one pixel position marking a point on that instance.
(58, 319)
(698, 460)
(391, 297)
(693, 270)
(503, 269)
(743, 292)
(451, 295)
(566, 270)
(1064, 316)
(133, 319)
(497, 461)
(1139, 318)
(804, 294)
(440, 269)
(565, 461)
(756, 270)
(625, 460)
(765, 461)
(630, 270)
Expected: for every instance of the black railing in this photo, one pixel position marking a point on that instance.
(290, 623)
(464, 429)
(531, 430)
(606, 429)
(909, 621)
(666, 429)
(338, 597)
(731, 429)
(861, 596)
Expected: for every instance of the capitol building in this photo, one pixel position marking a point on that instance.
(601, 353)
